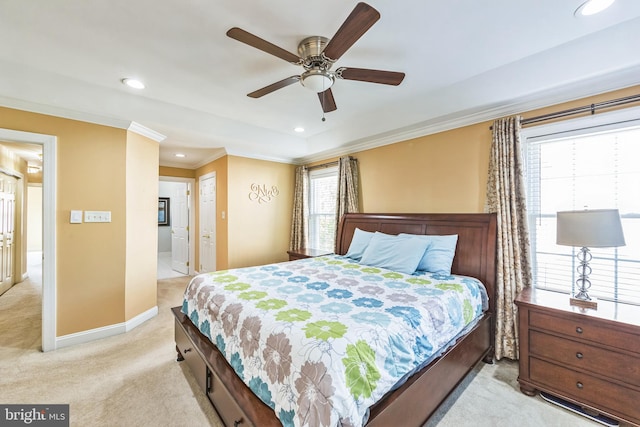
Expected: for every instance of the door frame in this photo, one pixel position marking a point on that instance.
(191, 183)
(49, 149)
(210, 175)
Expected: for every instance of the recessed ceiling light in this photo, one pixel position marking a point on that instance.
(591, 7)
(134, 83)
(180, 155)
(299, 129)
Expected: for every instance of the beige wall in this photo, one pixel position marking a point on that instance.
(91, 258)
(176, 172)
(443, 172)
(259, 231)
(34, 218)
(142, 225)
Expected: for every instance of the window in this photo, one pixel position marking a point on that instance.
(323, 187)
(585, 163)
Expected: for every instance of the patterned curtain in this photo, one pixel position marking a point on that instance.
(299, 218)
(506, 197)
(347, 201)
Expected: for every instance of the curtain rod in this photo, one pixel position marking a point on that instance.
(324, 165)
(328, 165)
(587, 108)
(578, 110)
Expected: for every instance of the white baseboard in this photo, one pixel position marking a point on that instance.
(141, 318)
(105, 331)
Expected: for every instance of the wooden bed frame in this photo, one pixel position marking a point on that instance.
(416, 400)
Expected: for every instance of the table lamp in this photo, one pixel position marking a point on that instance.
(596, 228)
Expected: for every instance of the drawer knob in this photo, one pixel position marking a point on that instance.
(236, 423)
(579, 355)
(579, 385)
(579, 329)
(187, 350)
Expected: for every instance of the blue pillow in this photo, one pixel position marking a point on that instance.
(359, 243)
(438, 257)
(395, 253)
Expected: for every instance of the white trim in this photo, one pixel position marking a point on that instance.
(49, 307)
(218, 155)
(105, 331)
(269, 158)
(145, 131)
(141, 318)
(191, 186)
(57, 111)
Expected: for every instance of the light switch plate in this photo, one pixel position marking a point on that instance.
(76, 217)
(97, 216)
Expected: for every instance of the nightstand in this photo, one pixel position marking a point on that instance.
(588, 357)
(306, 253)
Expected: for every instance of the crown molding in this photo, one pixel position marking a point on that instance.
(145, 131)
(65, 113)
(276, 159)
(602, 84)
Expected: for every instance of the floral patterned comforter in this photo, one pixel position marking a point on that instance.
(320, 340)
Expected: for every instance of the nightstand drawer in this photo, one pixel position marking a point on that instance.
(579, 355)
(587, 389)
(584, 329)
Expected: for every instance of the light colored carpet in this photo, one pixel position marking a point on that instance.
(134, 380)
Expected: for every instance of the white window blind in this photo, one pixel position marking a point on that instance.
(323, 187)
(589, 167)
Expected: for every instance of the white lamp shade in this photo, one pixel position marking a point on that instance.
(597, 228)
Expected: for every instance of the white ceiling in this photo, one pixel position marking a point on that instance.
(465, 61)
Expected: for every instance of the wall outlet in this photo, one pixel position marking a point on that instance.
(97, 216)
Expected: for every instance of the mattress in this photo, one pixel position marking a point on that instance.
(320, 340)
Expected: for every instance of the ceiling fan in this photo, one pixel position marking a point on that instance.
(318, 54)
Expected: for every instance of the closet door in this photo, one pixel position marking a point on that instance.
(7, 229)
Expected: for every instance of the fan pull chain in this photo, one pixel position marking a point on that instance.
(323, 99)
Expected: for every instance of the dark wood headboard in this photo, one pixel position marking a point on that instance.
(477, 233)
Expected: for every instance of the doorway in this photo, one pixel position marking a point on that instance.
(175, 232)
(48, 144)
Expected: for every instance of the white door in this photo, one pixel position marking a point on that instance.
(180, 228)
(7, 228)
(207, 233)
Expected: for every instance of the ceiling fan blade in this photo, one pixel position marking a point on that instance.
(273, 87)
(372, 76)
(327, 101)
(357, 23)
(255, 41)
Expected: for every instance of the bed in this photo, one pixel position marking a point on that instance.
(413, 394)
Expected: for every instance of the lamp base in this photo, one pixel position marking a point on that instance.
(584, 303)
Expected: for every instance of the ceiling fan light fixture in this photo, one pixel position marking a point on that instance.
(317, 80)
(591, 7)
